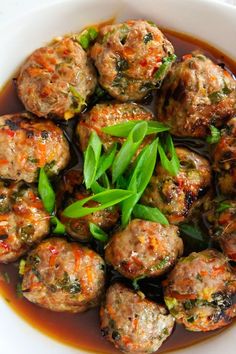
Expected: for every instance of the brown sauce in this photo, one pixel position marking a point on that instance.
(82, 330)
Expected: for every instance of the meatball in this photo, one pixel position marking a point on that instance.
(56, 80)
(23, 220)
(26, 145)
(196, 93)
(63, 276)
(176, 196)
(199, 291)
(132, 323)
(107, 114)
(128, 57)
(144, 248)
(78, 228)
(225, 159)
(223, 219)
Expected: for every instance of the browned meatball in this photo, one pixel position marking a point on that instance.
(225, 159)
(222, 216)
(132, 323)
(144, 248)
(176, 196)
(196, 94)
(78, 228)
(128, 57)
(108, 114)
(23, 220)
(26, 145)
(56, 80)
(199, 291)
(63, 276)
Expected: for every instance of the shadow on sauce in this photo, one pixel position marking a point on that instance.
(82, 330)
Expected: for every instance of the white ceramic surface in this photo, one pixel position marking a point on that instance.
(211, 21)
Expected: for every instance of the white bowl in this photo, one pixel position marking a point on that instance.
(212, 22)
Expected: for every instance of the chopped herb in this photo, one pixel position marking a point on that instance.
(151, 23)
(121, 64)
(147, 38)
(98, 233)
(69, 285)
(164, 67)
(147, 213)
(162, 264)
(32, 160)
(128, 150)
(106, 199)
(19, 291)
(223, 206)
(143, 169)
(87, 37)
(217, 96)
(215, 135)
(192, 230)
(122, 130)
(135, 282)
(172, 165)
(116, 335)
(59, 227)
(22, 267)
(46, 191)
(106, 160)
(91, 159)
(79, 101)
(170, 302)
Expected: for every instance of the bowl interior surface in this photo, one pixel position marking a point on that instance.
(210, 21)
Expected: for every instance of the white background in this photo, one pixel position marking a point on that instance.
(11, 8)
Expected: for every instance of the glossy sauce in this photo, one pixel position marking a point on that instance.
(82, 330)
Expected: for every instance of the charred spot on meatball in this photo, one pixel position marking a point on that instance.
(196, 93)
(132, 58)
(134, 324)
(57, 80)
(30, 146)
(144, 248)
(176, 196)
(63, 276)
(24, 222)
(199, 291)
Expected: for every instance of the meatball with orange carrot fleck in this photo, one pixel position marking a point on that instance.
(133, 323)
(196, 93)
(200, 290)
(63, 276)
(224, 157)
(56, 80)
(144, 248)
(107, 114)
(132, 58)
(26, 145)
(177, 196)
(23, 220)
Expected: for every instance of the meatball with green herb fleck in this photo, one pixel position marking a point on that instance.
(56, 80)
(23, 220)
(132, 58)
(27, 145)
(222, 218)
(108, 114)
(200, 291)
(224, 157)
(144, 249)
(196, 94)
(177, 196)
(133, 323)
(63, 276)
